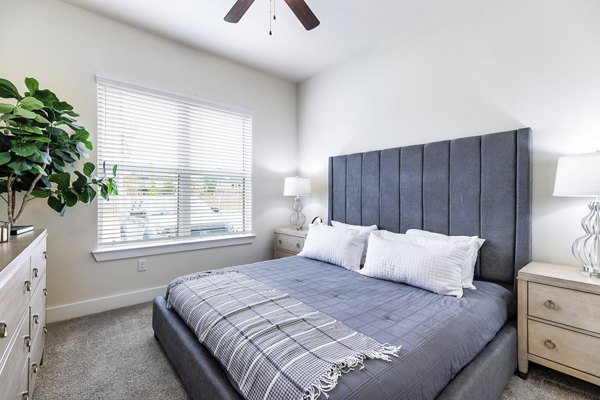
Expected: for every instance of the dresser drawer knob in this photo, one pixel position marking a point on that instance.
(34, 368)
(36, 319)
(28, 286)
(45, 292)
(279, 241)
(298, 245)
(549, 304)
(36, 273)
(45, 330)
(549, 344)
(25, 396)
(28, 342)
(45, 256)
(3, 330)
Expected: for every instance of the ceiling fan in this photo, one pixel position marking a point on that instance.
(299, 7)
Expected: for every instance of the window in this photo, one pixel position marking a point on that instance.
(184, 167)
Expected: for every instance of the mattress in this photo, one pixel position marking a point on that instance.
(439, 335)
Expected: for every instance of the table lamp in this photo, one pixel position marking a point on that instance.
(295, 186)
(579, 176)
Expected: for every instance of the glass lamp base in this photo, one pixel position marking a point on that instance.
(587, 248)
(297, 219)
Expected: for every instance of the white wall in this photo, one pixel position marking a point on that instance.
(65, 47)
(485, 66)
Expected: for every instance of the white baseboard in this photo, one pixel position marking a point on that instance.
(74, 310)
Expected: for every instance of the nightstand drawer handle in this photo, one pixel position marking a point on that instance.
(279, 241)
(549, 304)
(28, 286)
(549, 344)
(36, 273)
(3, 330)
(298, 245)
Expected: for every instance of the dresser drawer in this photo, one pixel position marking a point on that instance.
(565, 306)
(289, 243)
(282, 254)
(38, 308)
(14, 298)
(14, 373)
(38, 263)
(565, 347)
(35, 359)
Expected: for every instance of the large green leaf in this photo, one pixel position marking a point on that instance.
(62, 180)
(81, 135)
(40, 193)
(32, 84)
(20, 166)
(40, 157)
(24, 129)
(21, 112)
(5, 158)
(70, 197)
(41, 119)
(56, 204)
(39, 169)
(8, 90)
(88, 168)
(7, 108)
(42, 139)
(46, 97)
(31, 103)
(24, 149)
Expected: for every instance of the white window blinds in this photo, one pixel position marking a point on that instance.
(184, 167)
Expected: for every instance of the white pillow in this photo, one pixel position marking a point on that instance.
(435, 267)
(341, 247)
(474, 243)
(360, 229)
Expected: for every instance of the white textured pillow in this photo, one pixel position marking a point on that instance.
(365, 230)
(436, 267)
(473, 243)
(359, 228)
(341, 247)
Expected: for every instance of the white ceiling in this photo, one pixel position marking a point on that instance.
(347, 27)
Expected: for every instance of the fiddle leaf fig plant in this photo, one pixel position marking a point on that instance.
(40, 142)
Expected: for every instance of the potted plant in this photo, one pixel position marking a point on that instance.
(40, 140)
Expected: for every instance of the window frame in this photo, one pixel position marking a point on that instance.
(178, 244)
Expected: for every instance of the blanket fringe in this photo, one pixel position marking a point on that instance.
(329, 380)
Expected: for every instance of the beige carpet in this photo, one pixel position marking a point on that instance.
(114, 356)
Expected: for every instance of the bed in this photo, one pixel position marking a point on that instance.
(452, 348)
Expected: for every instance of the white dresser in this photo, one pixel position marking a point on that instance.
(22, 313)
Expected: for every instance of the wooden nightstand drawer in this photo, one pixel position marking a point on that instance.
(292, 244)
(565, 347)
(565, 306)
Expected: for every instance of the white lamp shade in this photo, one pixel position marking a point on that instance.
(578, 176)
(295, 186)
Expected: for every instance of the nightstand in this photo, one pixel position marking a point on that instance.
(559, 320)
(288, 242)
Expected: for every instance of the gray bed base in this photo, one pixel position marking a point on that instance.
(484, 378)
(478, 185)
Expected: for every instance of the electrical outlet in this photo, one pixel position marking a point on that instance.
(142, 263)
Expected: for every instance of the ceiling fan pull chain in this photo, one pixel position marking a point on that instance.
(274, 10)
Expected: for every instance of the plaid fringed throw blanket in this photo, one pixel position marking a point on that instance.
(273, 346)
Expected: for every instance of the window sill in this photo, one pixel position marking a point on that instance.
(151, 249)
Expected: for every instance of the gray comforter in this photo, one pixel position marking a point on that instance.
(439, 335)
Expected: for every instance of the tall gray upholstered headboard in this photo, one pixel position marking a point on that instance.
(470, 186)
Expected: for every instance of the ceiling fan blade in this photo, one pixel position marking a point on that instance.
(238, 10)
(304, 13)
